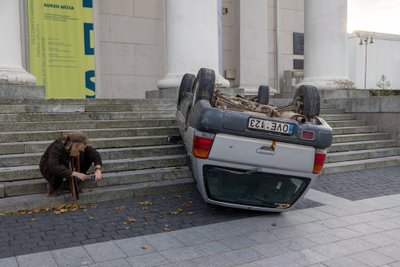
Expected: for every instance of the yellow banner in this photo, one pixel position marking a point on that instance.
(61, 41)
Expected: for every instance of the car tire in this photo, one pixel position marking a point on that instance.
(263, 94)
(186, 86)
(308, 96)
(204, 85)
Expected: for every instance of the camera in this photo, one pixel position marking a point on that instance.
(91, 177)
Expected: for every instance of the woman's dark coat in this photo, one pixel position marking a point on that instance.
(54, 162)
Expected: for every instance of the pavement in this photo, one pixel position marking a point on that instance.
(346, 219)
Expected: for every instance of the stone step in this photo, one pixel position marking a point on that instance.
(356, 165)
(360, 137)
(338, 117)
(362, 145)
(8, 137)
(324, 111)
(110, 101)
(362, 154)
(78, 116)
(348, 123)
(9, 174)
(62, 108)
(120, 142)
(118, 108)
(80, 125)
(39, 186)
(95, 195)
(354, 130)
(14, 160)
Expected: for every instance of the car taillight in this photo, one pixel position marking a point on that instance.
(307, 135)
(319, 159)
(202, 143)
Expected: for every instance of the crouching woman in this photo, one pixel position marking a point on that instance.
(69, 156)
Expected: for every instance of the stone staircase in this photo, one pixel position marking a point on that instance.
(357, 146)
(131, 136)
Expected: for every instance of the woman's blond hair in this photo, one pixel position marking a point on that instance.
(74, 137)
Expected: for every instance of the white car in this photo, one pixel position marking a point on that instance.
(248, 154)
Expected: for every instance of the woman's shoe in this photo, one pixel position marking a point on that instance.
(51, 192)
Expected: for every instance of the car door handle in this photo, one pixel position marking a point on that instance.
(268, 150)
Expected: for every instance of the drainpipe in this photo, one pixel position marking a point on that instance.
(277, 41)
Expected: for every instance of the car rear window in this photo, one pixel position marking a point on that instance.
(253, 188)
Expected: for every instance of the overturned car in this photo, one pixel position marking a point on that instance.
(245, 153)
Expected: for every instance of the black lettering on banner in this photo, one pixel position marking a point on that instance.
(285, 128)
(273, 126)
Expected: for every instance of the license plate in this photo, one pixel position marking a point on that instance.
(271, 126)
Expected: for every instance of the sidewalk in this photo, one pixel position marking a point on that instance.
(347, 230)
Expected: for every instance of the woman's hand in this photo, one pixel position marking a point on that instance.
(98, 175)
(80, 176)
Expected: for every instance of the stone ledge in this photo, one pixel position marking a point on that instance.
(21, 92)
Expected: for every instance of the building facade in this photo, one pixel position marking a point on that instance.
(144, 45)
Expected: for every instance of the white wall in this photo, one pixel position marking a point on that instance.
(383, 58)
(291, 19)
(130, 52)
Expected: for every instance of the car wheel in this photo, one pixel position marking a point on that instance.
(309, 101)
(263, 94)
(186, 86)
(204, 85)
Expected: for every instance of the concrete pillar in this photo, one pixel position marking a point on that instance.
(325, 44)
(191, 40)
(11, 70)
(253, 45)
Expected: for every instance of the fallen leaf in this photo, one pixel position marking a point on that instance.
(166, 229)
(146, 185)
(56, 212)
(187, 204)
(131, 219)
(91, 218)
(176, 212)
(145, 247)
(178, 196)
(120, 208)
(33, 219)
(146, 202)
(36, 210)
(22, 212)
(190, 212)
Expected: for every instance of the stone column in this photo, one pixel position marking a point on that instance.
(191, 40)
(11, 70)
(325, 44)
(253, 45)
